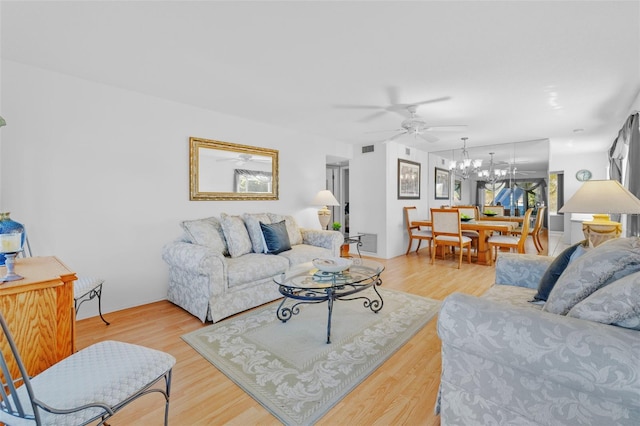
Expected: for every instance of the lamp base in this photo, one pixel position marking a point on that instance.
(324, 216)
(10, 262)
(602, 218)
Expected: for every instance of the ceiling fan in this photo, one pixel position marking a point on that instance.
(246, 158)
(418, 127)
(393, 106)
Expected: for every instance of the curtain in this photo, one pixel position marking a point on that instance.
(627, 147)
(633, 171)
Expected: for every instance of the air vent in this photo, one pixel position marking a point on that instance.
(368, 148)
(369, 243)
(407, 151)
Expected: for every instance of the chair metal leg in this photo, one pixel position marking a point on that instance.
(95, 292)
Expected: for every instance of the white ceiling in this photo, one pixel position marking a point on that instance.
(511, 71)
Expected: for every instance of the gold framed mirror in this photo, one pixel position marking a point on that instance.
(228, 171)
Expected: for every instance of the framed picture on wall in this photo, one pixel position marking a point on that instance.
(457, 191)
(442, 182)
(408, 180)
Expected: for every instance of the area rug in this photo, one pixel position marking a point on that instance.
(291, 370)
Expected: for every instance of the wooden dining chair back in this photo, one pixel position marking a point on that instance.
(499, 210)
(535, 231)
(414, 231)
(510, 241)
(447, 232)
(470, 211)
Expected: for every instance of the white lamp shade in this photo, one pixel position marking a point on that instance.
(325, 198)
(602, 196)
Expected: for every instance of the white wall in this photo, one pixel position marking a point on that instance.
(100, 176)
(596, 162)
(374, 204)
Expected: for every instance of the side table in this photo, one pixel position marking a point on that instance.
(348, 240)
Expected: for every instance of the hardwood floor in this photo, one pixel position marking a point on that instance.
(401, 392)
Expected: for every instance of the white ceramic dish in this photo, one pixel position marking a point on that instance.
(332, 264)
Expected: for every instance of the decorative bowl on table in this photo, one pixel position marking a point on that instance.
(332, 264)
(490, 213)
(465, 219)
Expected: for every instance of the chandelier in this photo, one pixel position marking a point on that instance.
(492, 174)
(465, 167)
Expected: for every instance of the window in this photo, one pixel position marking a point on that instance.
(252, 181)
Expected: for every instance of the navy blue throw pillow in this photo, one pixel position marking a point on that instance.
(276, 237)
(554, 271)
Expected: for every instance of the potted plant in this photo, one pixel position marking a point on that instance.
(336, 226)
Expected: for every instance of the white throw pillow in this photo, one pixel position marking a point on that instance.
(236, 235)
(295, 236)
(252, 222)
(206, 232)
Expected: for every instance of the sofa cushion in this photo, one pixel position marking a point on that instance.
(276, 237)
(236, 235)
(304, 253)
(206, 232)
(253, 267)
(295, 236)
(596, 268)
(512, 295)
(252, 222)
(554, 271)
(618, 304)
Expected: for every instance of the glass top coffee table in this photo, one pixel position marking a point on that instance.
(304, 283)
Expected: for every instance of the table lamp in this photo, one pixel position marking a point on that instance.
(324, 198)
(607, 196)
(11, 240)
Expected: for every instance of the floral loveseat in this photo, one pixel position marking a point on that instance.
(572, 359)
(219, 267)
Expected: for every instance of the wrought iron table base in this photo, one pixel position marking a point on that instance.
(329, 294)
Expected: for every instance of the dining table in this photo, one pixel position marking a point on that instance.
(484, 228)
(518, 219)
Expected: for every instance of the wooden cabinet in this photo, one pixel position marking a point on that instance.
(39, 311)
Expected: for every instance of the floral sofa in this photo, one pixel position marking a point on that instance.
(572, 359)
(219, 266)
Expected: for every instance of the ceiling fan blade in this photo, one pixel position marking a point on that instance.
(450, 128)
(430, 101)
(385, 131)
(429, 138)
(371, 117)
(393, 138)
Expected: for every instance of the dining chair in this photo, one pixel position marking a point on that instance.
(84, 288)
(89, 386)
(510, 241)
(535, 231)
(414, 231)
(447, 232)
(472, 212)
(499, 210)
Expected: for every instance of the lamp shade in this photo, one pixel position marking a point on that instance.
(602, 196)
(325, 198)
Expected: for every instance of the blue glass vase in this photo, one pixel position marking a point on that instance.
(10, 226)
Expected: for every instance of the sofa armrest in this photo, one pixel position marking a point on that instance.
(195, 258)
(521, 270)
(602, 360)
(331, 240)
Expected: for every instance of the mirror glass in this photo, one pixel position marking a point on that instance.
(226, 171)
(515, 175)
